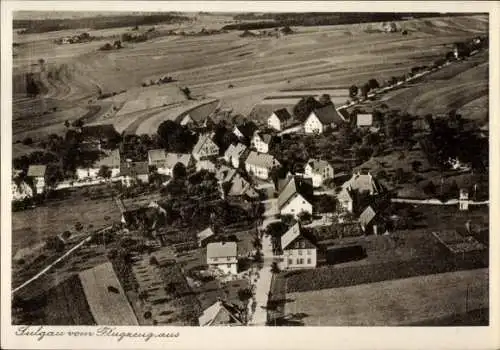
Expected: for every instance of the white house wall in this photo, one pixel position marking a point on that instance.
(299, 258)
(296, 206)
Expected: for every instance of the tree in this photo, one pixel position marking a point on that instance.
(364, 90)
(104, 172)
(54, 243)
(325, 99)
(153, 261)
(275, 268)
(28, 141)
(373, 84)
(353, 91)
(66, 234)
(305, 106)
(179, 171)
(304, 216)
(257, 244)
(78, 226)
(429, 188)
(399, 175)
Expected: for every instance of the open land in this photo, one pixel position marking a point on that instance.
(312, 58)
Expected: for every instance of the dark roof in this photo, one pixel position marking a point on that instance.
(247, 129)
(344, 113)
(295, 185)
(282, 114)
(328, 114)
(134, 168)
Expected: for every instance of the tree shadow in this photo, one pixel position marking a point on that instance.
(277, 303)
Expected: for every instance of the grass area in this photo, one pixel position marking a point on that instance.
(35, 225)
(479, 317)
(392, 303)
(65, 304)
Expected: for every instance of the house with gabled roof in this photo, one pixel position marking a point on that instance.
(223, 256)
(221, 313)
(318, 170)
(279, 119)
(371, 221)
(260, 164)
(134, 172)
(224, 173)
(358, 186)
(111, 160)
(322, 119)
(298, 251)
(207, 165)
(261, 142)
(295, 197)
(238, 186)
(234, 154)
(205, 147)
(37, 175)
(165, 162)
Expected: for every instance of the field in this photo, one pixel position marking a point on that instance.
(32, 226)
(391, 303)
(106, 297)
(312, 59)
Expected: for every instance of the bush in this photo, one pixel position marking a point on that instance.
(27, 141)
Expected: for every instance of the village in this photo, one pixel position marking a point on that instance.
(228, 221)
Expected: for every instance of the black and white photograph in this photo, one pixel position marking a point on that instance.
(249, 168)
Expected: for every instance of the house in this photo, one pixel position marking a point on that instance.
(204, 236)
(111, 160)
(260, 164)
(221, 314)
(364, 120)
(279, 120)
(37, 174)
(261, 142)
(355, 188)
(223, 256)
(298, 251)
(165, 162)
(318, 171)
(238, 187)
(196, 121)
(321, 119)
(224, 174)
(133, 172)
(368, 221)
(245, 131)
(296, 197)
(205, 147)
(234, 153)
(206, 165)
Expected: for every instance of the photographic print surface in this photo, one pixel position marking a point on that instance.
(250, 169)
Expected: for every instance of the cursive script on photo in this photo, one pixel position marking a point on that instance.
(42, 332)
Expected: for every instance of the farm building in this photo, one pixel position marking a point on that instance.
(204, 236)
(260, 164)
(223, 256)
(355, 188)
(133, 172)
(322, 119)
(106, 298)
(224, 174)
(221, 314)
(296, 197)
(262, 142)
(234, 153)
(298, 251)
(318, 171)
(205, 147)
(111, 161)
(165, 162)
(279, 120)
(37, 174)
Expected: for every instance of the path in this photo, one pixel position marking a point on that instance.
(263, 285)
(434, 201)
(47, 268)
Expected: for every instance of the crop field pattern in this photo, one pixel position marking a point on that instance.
(257, 68)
